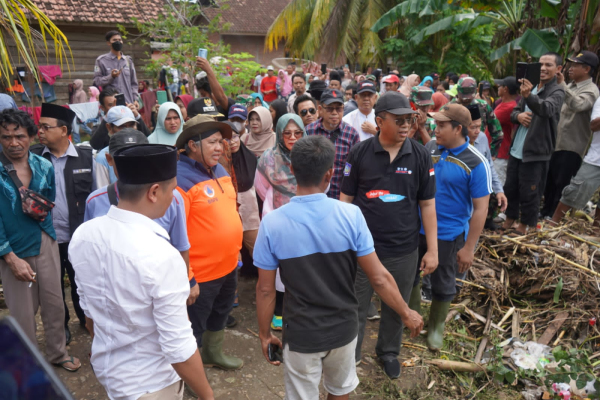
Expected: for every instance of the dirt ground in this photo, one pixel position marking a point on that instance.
(257, 380)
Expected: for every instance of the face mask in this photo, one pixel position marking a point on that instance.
(117, 46)
(238, 125)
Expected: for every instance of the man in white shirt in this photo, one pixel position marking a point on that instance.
(586, 182)
(363, 118)
(133, 286)
(299, 84)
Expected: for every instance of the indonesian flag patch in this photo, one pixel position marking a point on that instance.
(431, 172)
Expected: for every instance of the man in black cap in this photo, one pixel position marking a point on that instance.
(202, 105)
(363, 119)
(74, 175)
(390, 177)
(574, 133)
(125, 249)
(342, 135)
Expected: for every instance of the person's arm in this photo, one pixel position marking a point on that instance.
(466, 254)
(89, 325)
(99, 137)
(385, 286)
(516, 111)
(217, 90)
(133, 80)
(345, 198)
(547, 107)
(583, 101)
(430, 260)
(192, 373)
(595, 125)
(102, 175)
(102, 77)
(261, 184)
(194, 287)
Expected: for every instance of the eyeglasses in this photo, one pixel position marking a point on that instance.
(402, 121)
(234, 138)
(338, 109)
(304, 112)
(289, 134)
(45, 127)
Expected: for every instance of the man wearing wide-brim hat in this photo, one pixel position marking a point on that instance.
(215, 233)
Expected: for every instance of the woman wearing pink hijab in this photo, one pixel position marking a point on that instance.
(284, 82)
(93, 92)
(411, 80)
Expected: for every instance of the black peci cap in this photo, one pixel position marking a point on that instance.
(146, 163)
(316, 89)
(395, 103)
(57, 112)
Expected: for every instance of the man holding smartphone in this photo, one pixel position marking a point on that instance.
(318, 244)
(537, 115)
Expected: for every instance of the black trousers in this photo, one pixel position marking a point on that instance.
(563, 166)
(213, 305)
(523, 189)
(65, 266)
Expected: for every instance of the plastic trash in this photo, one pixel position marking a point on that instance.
(530, 354)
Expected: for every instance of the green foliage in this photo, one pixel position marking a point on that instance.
(174, 32)
(452, 50)
(558, 290)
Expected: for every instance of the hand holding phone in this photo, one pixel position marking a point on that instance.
(120, 98)
(275, 353)
(271, 347)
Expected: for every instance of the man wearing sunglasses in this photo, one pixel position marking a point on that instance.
(390, 177)
(342, 135)
(305, 107)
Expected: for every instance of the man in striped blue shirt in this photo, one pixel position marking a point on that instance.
(463, 188)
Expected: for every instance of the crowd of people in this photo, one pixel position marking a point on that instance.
(336, 184)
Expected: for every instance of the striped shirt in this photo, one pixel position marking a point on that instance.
(462, 174)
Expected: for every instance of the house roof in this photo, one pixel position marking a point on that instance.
(104, 11)
(248, 16)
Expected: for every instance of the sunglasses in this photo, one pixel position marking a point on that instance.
(338, 109)
(402, 121)
(304, 112)
(297, 134)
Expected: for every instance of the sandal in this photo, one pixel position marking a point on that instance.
(69, 360)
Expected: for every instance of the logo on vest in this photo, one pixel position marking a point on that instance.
(209, 191)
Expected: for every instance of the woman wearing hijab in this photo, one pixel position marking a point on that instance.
(79, 95)
(183, 101)
(256, 101)
(277, 109)
(284, 83)
(93, 92)
(260, 136)
(276, 185)
(411, 80)
(438, 101)
(169, 124)
(428, 81)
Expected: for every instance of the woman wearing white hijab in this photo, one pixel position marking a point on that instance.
(169, 124)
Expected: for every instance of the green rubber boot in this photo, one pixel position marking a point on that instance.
(212, 352)
(415, 299)
(437, 322)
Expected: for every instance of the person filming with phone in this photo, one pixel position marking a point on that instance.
(318, 243)
(116, 70)
(537, 116)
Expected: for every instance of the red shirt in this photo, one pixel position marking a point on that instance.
(503, 114)
(269, 83)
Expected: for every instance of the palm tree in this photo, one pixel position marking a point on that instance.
(16, 18)
(330, 28)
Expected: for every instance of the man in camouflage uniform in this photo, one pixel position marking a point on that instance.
(466, 93)
(424, 130)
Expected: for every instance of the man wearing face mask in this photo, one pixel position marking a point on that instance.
(116, 70)
(238, 115)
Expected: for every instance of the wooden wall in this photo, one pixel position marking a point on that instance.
(87, 43)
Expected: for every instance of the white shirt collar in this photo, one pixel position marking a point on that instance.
(137, 218)
(71, 152)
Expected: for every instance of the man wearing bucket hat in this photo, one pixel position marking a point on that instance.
(423, 130)
(463, 188)
(215, 233)
(466, 95)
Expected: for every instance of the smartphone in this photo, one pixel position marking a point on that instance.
(533, 73)
(25, 371)
(202, 53)
(161, 96)
(521, 71)
(275, 353)
(120, 99)
(324, 69)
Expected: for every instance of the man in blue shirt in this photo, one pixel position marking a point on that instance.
(464, 184)
(29, 263)
(98, 203)
(318, 243)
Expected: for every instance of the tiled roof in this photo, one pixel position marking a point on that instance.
(248, 16)
(100, 11)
